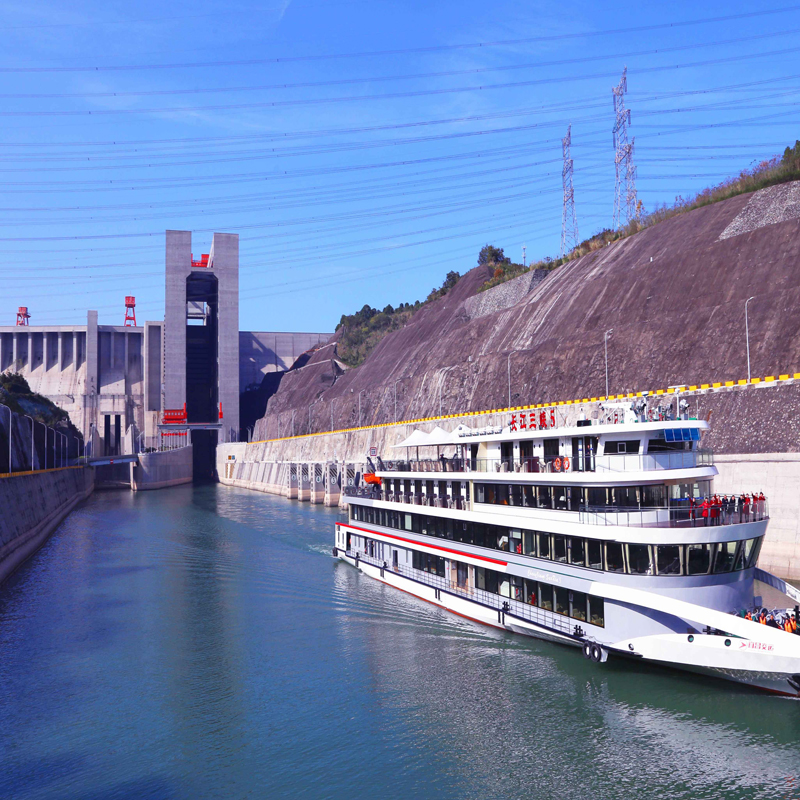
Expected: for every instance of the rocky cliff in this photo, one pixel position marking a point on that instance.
(673, 294)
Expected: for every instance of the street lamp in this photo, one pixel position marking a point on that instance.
(747, 336)
(509, 375)
(9, 437)
(332, 402)
(399, 380)
(605, 342)
(309, 415)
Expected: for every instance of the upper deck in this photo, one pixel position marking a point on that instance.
(627, 449)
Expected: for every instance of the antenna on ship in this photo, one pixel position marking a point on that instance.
(624, 171)
(569, 222)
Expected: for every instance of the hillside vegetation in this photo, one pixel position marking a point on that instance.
(17, 395)
(361, 332)
(780, 169)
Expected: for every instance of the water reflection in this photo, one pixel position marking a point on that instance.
(202, 643)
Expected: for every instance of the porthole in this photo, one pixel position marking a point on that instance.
(690, 638)
(727, 643)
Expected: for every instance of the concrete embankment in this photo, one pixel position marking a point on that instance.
(33, 506)
(160, 470)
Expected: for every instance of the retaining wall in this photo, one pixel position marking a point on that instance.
(162, 469)
(33, 505)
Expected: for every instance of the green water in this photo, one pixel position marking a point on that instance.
(201, 643)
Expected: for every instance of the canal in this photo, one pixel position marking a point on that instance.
(200, 642)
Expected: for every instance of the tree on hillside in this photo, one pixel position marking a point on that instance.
(493, 256)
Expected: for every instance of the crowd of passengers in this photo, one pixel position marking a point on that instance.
(725, 509)
(786, 620)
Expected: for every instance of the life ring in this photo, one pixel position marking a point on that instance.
(557, 464)
(587, 649)
(565, 464)
(597, 653)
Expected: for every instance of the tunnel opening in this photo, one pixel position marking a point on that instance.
(202, 370)
(204, 450)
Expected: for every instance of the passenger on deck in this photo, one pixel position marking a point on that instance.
(771, 623)
(705, 506)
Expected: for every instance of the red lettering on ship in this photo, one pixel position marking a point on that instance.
(756, 646)
(513, 425)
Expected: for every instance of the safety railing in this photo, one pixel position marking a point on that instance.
(678, 515)
(370, 493)
(622, 462)
(539, 616)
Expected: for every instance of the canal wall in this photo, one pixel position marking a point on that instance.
(33, 505)
(778, 476)
(160, 470)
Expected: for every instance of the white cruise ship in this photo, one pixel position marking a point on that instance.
(593, 535)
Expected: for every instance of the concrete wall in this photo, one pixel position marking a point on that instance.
(88, 370)
(261, 352)
(33, 506)
(778, 476)
(159, 470)
(505, 295)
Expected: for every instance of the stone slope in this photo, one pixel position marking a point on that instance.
(673, 294)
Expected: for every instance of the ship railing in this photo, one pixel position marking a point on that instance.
(369, 493)
(677, 515)
(683, 459)
(622, 462)
(511, 606)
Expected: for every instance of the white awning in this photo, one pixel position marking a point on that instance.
(417, 439)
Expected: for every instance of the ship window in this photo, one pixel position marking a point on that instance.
(698, 559)
(741, 557)
(654, 496)
(516, 588)
(724, 557)
(515, 493)
(752, 547)
(614, 559)
(530, 592)
(529, 543)
(505, 586)
(544, 545)
(668, 559)
(559, 548)
(578, 606)
(479, 534)
(516, 540)
(629, 446)
(594, 552)
(480, 496)
(596, 611)
(639, 559)
(577, 551)
(562, 600)
(502, 539)
(545, 596)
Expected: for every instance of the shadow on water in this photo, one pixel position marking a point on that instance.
(200, 642)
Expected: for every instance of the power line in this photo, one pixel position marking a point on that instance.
(404, 51)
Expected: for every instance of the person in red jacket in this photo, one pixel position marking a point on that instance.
(746, 508)
(705, 506)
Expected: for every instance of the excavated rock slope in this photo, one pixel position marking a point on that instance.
(674, 296)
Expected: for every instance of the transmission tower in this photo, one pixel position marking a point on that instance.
(625, 172)
(569, 222)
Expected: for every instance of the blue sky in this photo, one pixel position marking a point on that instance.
(360, 149)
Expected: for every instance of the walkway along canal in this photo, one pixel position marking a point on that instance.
(201, 642)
